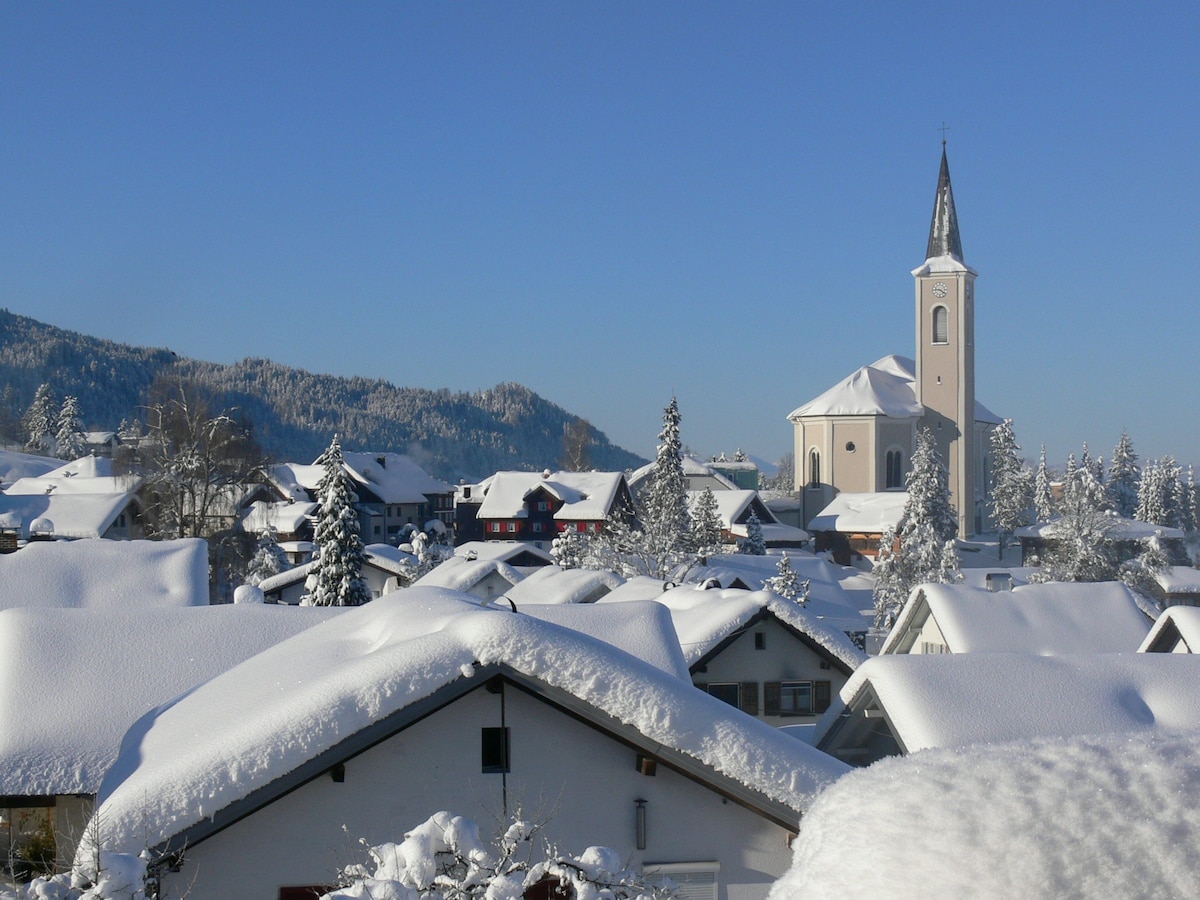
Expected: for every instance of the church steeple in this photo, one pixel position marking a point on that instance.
(943, 229)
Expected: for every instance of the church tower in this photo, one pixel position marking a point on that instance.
(945, 376)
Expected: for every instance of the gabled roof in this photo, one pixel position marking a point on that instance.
(461, 574)
(868, 513)
(286, 517)
(692, 468)
(383, 557)
(555, 586)
(106, 574)
(951, 700)
(373, 670)
(73, 680)
(15, 465)
(1177, 630)
(1121, 529)
(505, 551)
(82, 498)
(706, 619)
(390, 477)
(584, 495)
(1051, 619)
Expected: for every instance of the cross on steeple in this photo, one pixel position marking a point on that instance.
(943, 130)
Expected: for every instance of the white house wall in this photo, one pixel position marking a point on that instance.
(581, 783)
(785, 658)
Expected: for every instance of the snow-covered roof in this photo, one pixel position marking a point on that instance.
(505, 551)
(380, 556)
(286, 517)
(460, 574)
(884, 388)
(554, 585)
(1048, 619)
(15, 465)
(378, 660)
(1180, 580)
(951, 700)
(584, 495)
(704, 618)
(72, 681)
(871, 513)
(693, 468)
(1111, 816)
(394, 478)
(1183, 621)
(1121, 529)
(295, 481)
(81, 498)
(106, 574)
(644, 630)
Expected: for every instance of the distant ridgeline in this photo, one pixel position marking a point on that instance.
(295, 413)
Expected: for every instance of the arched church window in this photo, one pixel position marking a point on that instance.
(894, 469)
(814, 468)
(941, 325)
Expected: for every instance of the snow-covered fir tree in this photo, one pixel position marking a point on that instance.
(70, 442)
(924, 550)
(754, 544)
(666, 525)
(38, 422)
(1081, 547)
(1190, 509)
(1012, 484)
(1160, 494)
(1123, 476)
(706, 525)
(336, 577)
(1043, 496)
(569, 548)
(786, 582)
(1093, 464)
(269, 558)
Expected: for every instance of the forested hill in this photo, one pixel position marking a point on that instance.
(295, 413)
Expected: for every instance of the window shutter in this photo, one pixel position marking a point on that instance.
(748, 697)
(821, 695)
(772, 692)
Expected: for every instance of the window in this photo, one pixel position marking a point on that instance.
(692, 880)
(895, 469)
(494, 751)
(743, 695)
(537, 527)
(941, 325)
(512, 527)
(760, 640)
(543, 506)
(814, 468)
(796, 698)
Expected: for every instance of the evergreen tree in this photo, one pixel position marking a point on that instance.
(569, 548)
(786, 583)
(1123, 475)
(666, 523)
(706, 524)
(1080, 545)
(39, 422)
(1160, 494)
(1012, 486)
(10, 419)
(337, 576)
(269, 558)
(1190, 511)
(70, 442)
(926, 542)
(754, 545)
(1043, 496)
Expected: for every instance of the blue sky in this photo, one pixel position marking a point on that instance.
(616, 203)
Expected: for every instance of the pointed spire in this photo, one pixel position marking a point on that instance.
(943, 229)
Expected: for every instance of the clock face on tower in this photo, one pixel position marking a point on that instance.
(940, 290)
